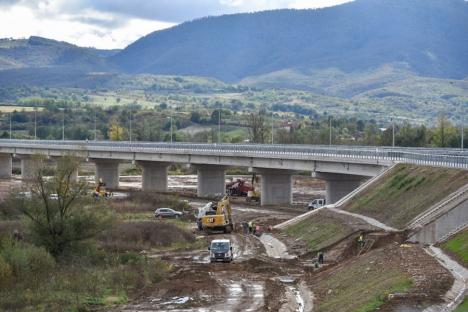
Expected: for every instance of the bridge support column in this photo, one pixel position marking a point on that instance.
(339, 185)
(29, 167)
(211, 180)
(74, 175)
(276, 187)
(108, 171)
(154, 175)
(5, 166)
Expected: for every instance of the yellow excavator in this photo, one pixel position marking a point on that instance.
(100, 190)
(219, 218)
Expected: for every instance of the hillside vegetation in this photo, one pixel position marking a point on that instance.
(426, 36)
(405, 192)
(457, 246)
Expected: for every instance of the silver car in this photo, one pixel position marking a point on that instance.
(167, 213)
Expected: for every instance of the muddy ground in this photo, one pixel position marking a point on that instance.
(263, 275)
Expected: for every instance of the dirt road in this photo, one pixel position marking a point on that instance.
(257, 280)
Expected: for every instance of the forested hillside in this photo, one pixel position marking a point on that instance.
(429, 37)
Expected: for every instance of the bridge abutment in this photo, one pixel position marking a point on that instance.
(276, 187)
(339, 185)
(154, 175)
(108, 171)
(5, 166)
(211, 180)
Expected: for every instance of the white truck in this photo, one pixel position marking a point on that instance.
(220, 250)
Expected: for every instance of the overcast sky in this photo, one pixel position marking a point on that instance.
(116, 23)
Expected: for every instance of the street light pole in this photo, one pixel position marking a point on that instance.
(171, 129)
(35, 123)
(272, 129)
(462, 132)
(10, 124)
(63, 124)
(130, 125)
(219, 125)
(393, 132)
(95, 124)
(330, 126)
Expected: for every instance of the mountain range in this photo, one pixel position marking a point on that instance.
(343, 50)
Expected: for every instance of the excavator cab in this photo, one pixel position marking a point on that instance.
(221, 220)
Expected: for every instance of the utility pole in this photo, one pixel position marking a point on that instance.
(10, 124)
(330, 127)
(35, 123)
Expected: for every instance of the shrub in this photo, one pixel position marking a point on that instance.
(6, 273)
(26, 261)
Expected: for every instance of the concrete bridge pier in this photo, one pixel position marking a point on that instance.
(5, 166)
(154, 175)
(29, 166)
(339, 185)
(74, 175)
(108, 171)
(211, 180)
(276, 186)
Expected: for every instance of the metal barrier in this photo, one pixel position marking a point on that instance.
(456, 158)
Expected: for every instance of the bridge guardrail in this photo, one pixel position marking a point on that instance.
(430, 156)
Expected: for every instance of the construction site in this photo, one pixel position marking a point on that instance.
(377, 248)
(397, 243)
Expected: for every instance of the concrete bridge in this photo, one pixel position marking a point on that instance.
(343, 168)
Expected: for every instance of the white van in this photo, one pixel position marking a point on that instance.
(220, 250)
(316, 203)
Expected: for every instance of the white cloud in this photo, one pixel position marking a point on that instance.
(116, 23)
(87, 28)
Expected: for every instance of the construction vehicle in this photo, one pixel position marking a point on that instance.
(253, 195)
(218, 218)
(238, 187)
(100, 190)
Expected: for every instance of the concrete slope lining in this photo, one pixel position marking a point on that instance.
(441, 207)
(341, 202)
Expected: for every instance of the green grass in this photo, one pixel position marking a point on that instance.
(319, 231)
(361, 285)
(407, 191)
(458, 245)
(463, 307)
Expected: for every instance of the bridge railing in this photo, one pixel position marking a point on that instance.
(430, 156)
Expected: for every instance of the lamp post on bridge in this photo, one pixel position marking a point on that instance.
(10, 124)
(330, 127)
(35, 123)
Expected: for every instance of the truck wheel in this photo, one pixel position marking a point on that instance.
(228, 229)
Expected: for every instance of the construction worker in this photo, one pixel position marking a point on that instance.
(320, 257)
(250, 226)
(360, 241)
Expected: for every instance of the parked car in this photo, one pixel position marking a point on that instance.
(167, 213)
(316, 203)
